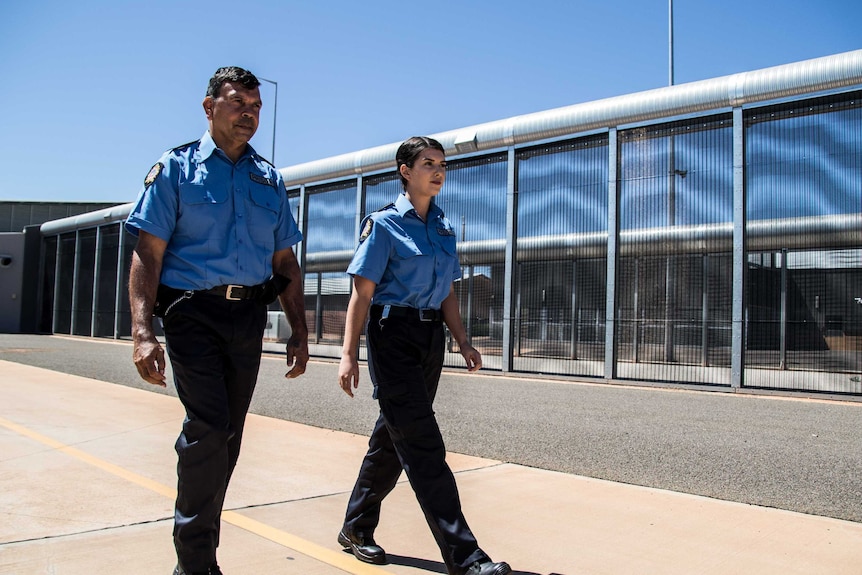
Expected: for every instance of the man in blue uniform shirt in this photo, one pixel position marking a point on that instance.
(214, 249)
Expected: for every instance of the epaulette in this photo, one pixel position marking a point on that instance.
(181, 146)
(386, 207)
(369, 222)
(267, 161)
(158, 167)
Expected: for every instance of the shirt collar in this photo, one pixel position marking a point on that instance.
(404, 207)
(208, 146)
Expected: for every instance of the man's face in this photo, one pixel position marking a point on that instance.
(233, 115)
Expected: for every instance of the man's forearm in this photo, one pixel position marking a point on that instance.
(292, 301)
(143, 286)
(292, 298)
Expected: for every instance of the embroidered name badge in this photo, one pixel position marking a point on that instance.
(445, 230)
(153, 174)
(261, 180)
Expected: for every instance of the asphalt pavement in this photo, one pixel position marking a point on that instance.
(88, 478)
(798, 453)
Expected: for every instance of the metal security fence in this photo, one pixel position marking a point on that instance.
(708, 234)
(676, 181)
(562, 232)
(804, 190)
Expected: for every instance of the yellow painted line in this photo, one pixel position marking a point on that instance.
(338, 559)
(94, 461)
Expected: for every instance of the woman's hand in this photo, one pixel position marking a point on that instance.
(471, 356)
(348, 374)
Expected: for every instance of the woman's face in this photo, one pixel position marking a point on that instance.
(427, 175)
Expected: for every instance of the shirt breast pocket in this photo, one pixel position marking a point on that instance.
(197, 194)
(449, 245)
(406, 250)
(449, 256)
(263, 214)
(203, 207)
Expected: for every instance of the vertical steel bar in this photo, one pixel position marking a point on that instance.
(704, 317)
(740, 263)
(782, 319)
(468, 320)
(97, 264)
(361, 195)
(57, 283)
(636, 312)
(318, 310)
(509, 277)
(670, 267)
(573, 315)
(360, 208)
(118, 298)
(74, 310)
(610, 371)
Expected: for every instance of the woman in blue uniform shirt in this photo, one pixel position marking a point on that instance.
(403, 273)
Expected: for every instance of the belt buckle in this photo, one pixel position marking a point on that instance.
(228, 294)
(429, 317)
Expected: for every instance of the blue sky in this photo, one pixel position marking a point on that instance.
(95, 91)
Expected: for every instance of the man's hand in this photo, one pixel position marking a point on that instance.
(292, 302)
(297, 356)
(149, 358)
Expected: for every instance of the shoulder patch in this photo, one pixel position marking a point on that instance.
(366, 230)
(153, 174)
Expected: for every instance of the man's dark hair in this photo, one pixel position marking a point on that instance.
(410, 149)
(234, 75)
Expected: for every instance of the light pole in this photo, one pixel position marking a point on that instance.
(274, 115)
(670, 42)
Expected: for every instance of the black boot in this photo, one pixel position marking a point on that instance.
(362, 546)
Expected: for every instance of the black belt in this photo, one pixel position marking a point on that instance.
(266, 293)
(427, 314)
(234, 292)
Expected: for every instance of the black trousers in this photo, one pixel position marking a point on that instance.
(214, 347)
(405, 358)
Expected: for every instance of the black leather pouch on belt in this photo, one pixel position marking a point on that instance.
(273, 287)
(165, 296)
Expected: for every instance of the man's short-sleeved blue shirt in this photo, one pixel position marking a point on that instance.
(222, 221)
(412, 262)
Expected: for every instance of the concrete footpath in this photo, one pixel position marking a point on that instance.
(87, 479)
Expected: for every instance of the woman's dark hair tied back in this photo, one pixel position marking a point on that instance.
(410, 149)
